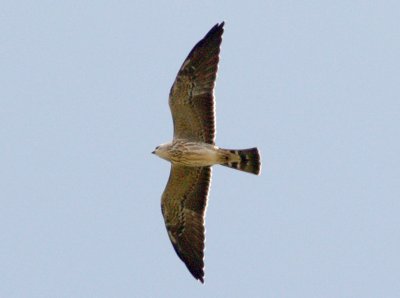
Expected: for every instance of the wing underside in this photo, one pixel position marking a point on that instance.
(183, 206)
(191, 97)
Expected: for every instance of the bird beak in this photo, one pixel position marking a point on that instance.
(153, 152)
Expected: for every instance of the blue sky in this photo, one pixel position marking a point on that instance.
(83, 102)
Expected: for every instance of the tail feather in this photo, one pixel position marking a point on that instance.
(246, 160)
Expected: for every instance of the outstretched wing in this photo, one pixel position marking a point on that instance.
(191, 98)
(183, 206)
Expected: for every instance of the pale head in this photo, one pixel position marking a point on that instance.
(163, 151)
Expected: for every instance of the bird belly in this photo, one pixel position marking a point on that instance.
(195, 154)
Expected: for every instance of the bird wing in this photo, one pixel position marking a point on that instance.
(191, 98)
(183, 206)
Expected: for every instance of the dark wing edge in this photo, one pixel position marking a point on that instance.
(191, 97)
(183, 206)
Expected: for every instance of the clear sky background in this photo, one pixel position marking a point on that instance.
(83, 102)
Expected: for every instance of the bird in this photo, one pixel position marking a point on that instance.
(192, 152)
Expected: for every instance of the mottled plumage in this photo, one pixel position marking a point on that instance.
(192, 152)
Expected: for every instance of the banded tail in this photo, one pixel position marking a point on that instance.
(246, 160)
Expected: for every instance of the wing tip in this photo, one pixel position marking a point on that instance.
(201, 279)
(196, 271)
(218, 27)
(216, 30)
(198, 275)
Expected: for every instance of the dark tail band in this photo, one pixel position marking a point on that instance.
(249, 160)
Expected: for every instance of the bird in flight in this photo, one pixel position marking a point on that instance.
(192, 152)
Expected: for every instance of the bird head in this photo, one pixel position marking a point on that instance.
(162, 151)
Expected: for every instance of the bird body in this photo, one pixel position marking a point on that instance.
(197, 154)
(188, 153)
(192, 152)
